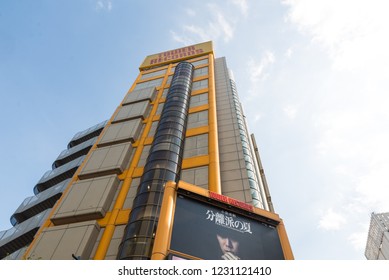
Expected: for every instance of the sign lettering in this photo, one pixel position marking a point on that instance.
(228, 220)
(231, 201)
(177, 54)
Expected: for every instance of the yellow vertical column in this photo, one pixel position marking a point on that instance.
(213, 145)
(288, 253)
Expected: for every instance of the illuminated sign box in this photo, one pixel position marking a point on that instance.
(218, 227)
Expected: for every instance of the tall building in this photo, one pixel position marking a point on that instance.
(173, 174)
(377, 246)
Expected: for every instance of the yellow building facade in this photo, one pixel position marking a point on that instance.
(173, 174)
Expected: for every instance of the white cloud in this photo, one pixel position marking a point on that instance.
(191, 34)
(242, 5)
(227, 30)
(337, 130)
(258, 71)
(104, 5)
(290, 111)
(289, 53)
(190, 12)
(99, 5)
(215, 23)
(331, 221)
(358, 240)
(355, 143)
(347, 29)
(181, 38)
(351, 119)
(372, 189)
(258, 117)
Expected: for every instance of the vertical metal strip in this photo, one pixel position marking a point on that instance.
(262, 174)
(214, 164)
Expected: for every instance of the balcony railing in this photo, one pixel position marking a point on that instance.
(74, 152)
(56, 176)
(20, 235)
(33, 205)
(87, 134)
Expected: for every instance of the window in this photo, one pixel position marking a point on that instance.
(152, 83)
(152, 74)
(199, 62)
(198, 100)
(200, 72)
(200, 84)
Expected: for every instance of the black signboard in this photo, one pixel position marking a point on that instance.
(207, 231)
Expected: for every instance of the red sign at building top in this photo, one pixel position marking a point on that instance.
(231, 201)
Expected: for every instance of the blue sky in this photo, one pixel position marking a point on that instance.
(312, 77)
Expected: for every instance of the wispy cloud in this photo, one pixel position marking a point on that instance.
(358, 240)
(347, 29)
(104, 5)
(190, 12)
(259, 69)
(351, 120)
(191, 34)
(215, 23)
(197, 31)
(289, 53)
(221, 26)
(290, 111)
(331, 220)
(258, 117)
(242, 6)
